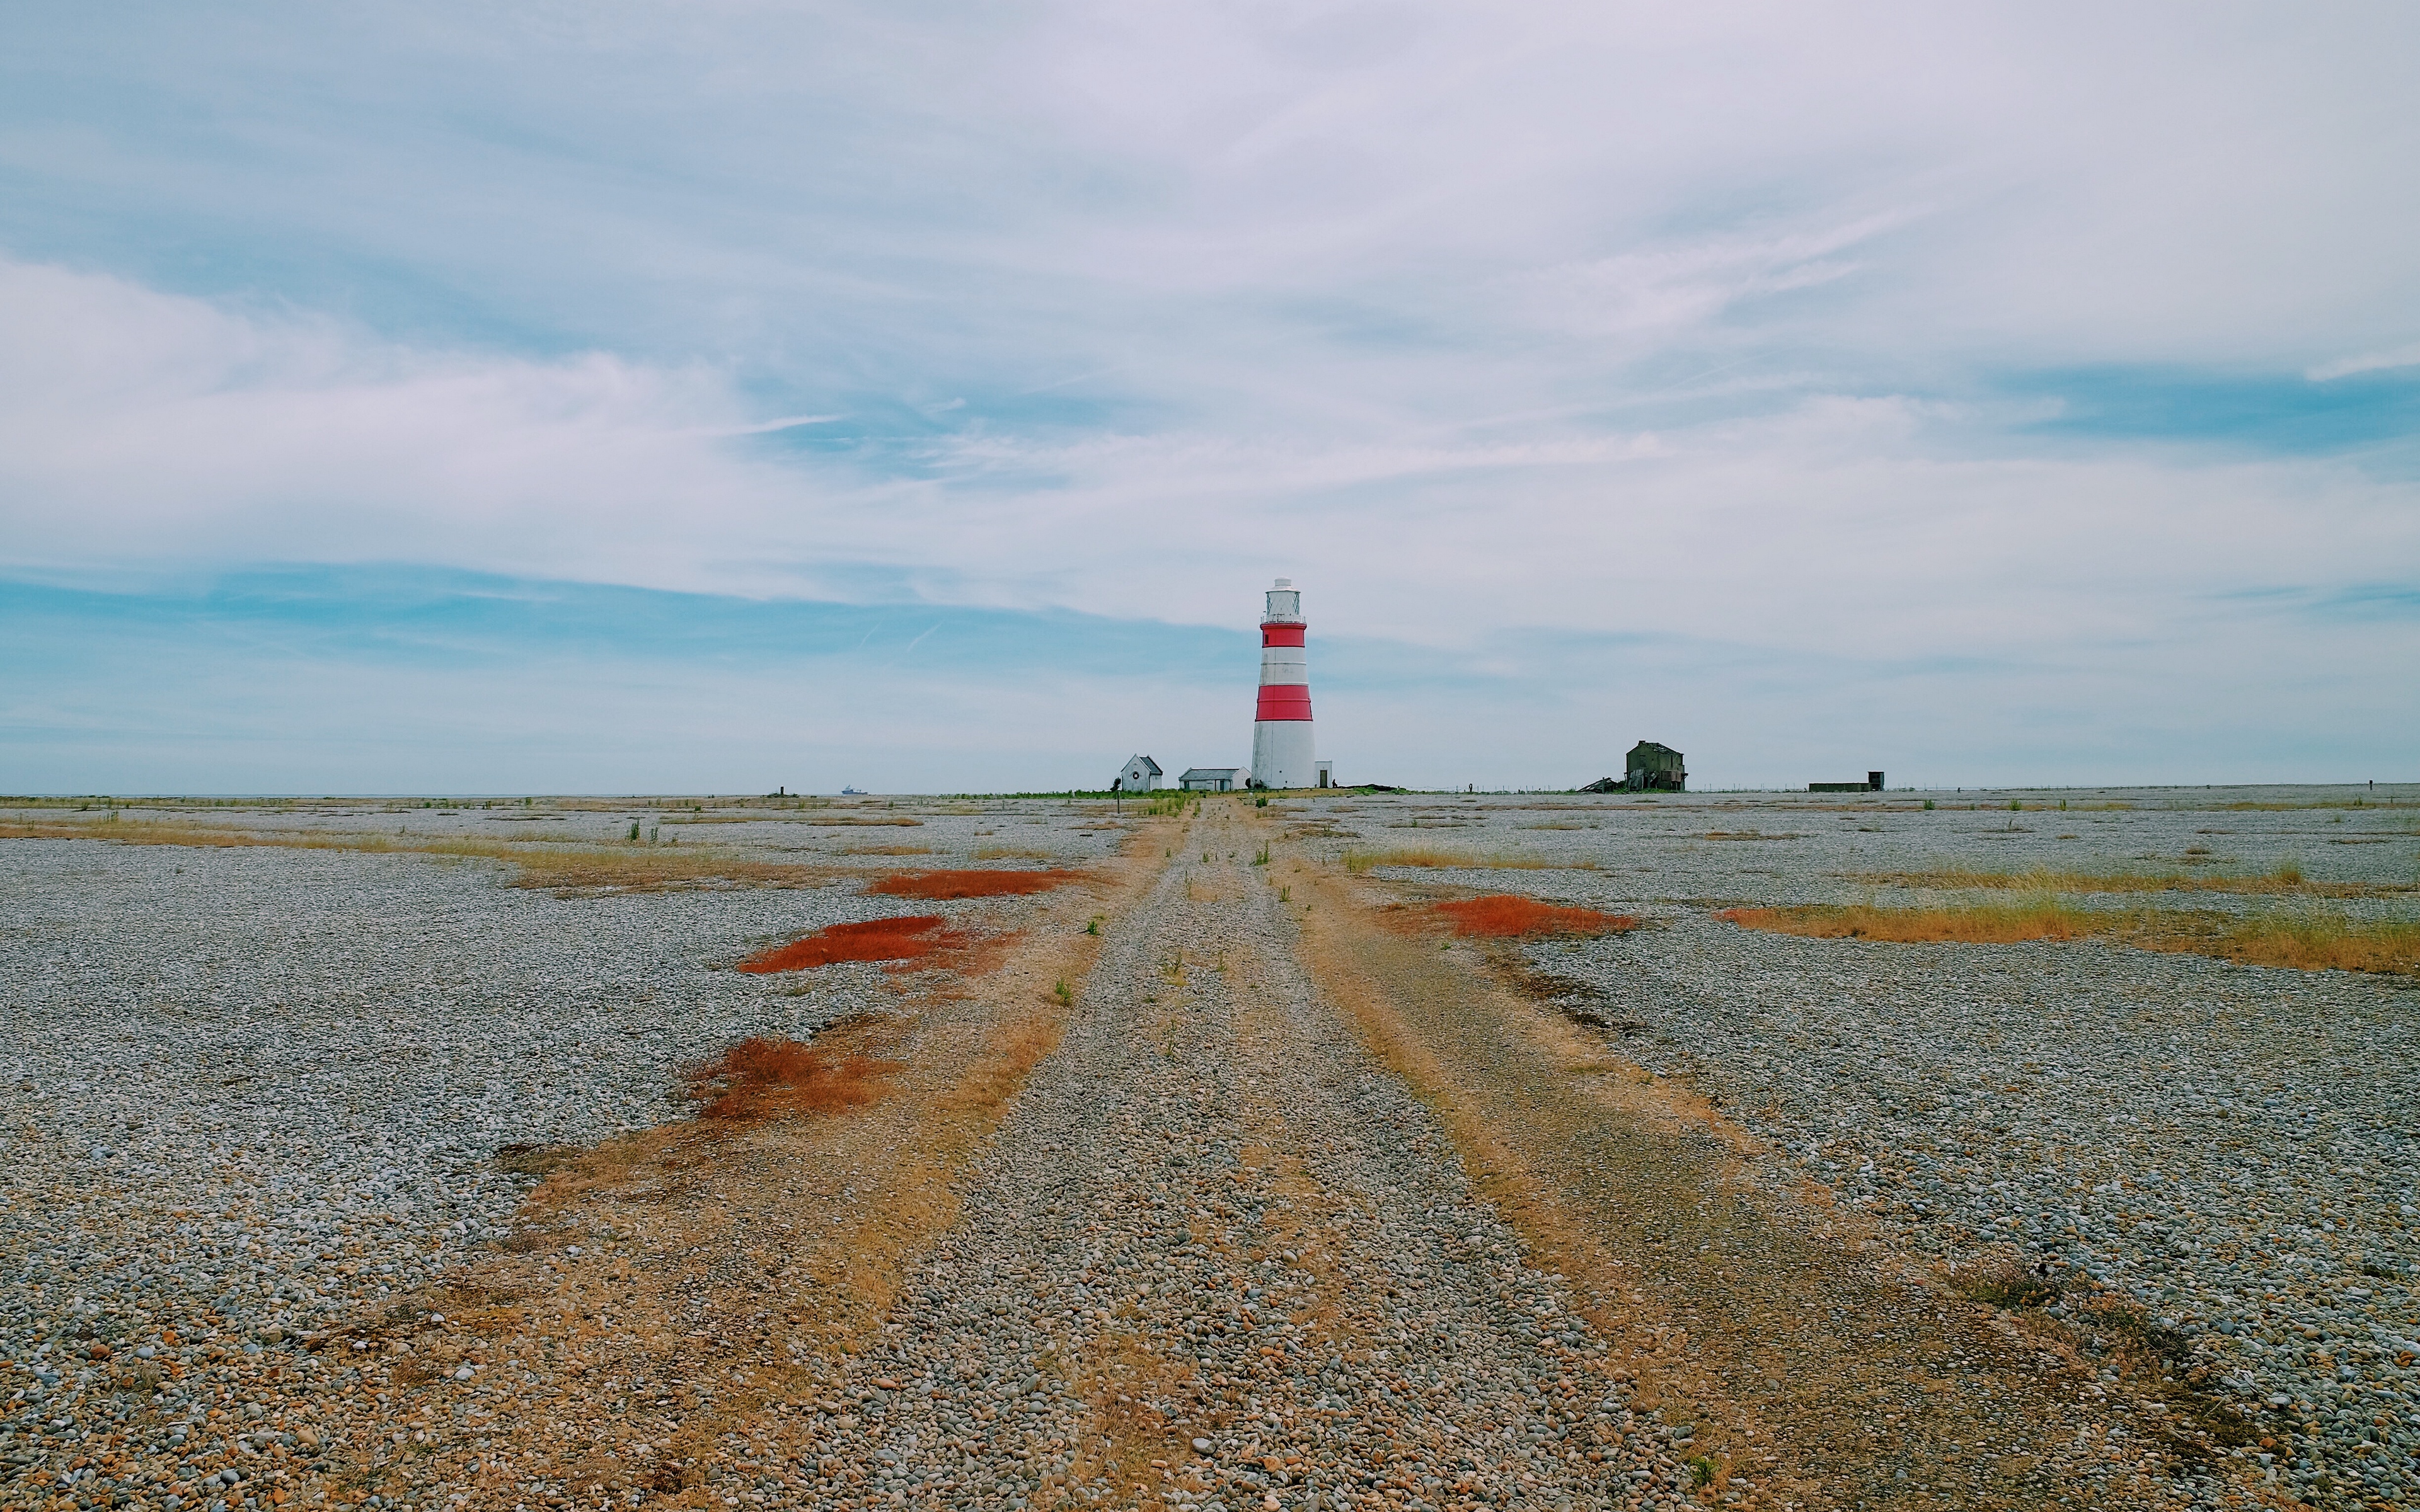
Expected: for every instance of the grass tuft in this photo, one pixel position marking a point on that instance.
(2301, 940)
(611, 866)
(2010, 1284)
(536, 1160)
(2306, 940)
(2287, 878)
(1359, 861)
(2044, 918)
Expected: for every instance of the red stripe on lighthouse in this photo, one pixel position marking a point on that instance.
(1284, 700)
(1281, 634)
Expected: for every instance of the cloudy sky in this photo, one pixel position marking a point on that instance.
(705, 396)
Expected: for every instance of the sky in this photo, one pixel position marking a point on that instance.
(713, 396)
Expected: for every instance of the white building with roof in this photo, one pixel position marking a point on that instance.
(1141, 775)
(1214, 778)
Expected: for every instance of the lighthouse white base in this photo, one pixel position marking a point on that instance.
(1282, 754)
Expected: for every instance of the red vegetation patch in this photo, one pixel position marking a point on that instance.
(876, 939)
(771, 1076)
(973, 883)
(1505, 916)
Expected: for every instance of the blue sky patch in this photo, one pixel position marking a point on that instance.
(2263, 412)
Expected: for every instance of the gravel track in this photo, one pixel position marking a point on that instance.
(1219, 1257)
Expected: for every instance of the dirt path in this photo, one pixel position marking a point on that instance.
(1277, 1205)
(1219, 1256)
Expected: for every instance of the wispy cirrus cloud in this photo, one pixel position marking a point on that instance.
(2380, 362)
(1945, 333)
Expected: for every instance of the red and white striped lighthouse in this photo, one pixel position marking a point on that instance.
(1283, 756)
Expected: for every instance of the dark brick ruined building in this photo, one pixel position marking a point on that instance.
(1654, 767)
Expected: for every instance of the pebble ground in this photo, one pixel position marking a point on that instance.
(250, 1094)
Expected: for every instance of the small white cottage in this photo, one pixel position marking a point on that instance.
(1214, 778)
(1140, 776)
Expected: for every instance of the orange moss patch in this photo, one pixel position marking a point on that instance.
(876, 939)
(1505, 916)
(973, 883)
(773, 1076)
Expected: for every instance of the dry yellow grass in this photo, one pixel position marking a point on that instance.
(1973, 923)
(1009, 852)
(538, 863)
(1360, 862)
(2305, 941)
(2301, 940)
(2286, 879)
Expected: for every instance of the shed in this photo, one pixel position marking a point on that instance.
(1214, 779)
(1141, 775)
(1654, 767)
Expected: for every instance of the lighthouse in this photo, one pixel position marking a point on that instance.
(1281, 745)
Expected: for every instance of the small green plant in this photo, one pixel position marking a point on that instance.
(1285, 895)
(1701, 1470)
(2016, 807)
(1093, 926)
(1927, 803)
(2063, 806)
(1065, 993)
(2132, 1326)
(634, 829)
(1205, 856)
(1261, 802)
(2010, 1284)
(1261, 857)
